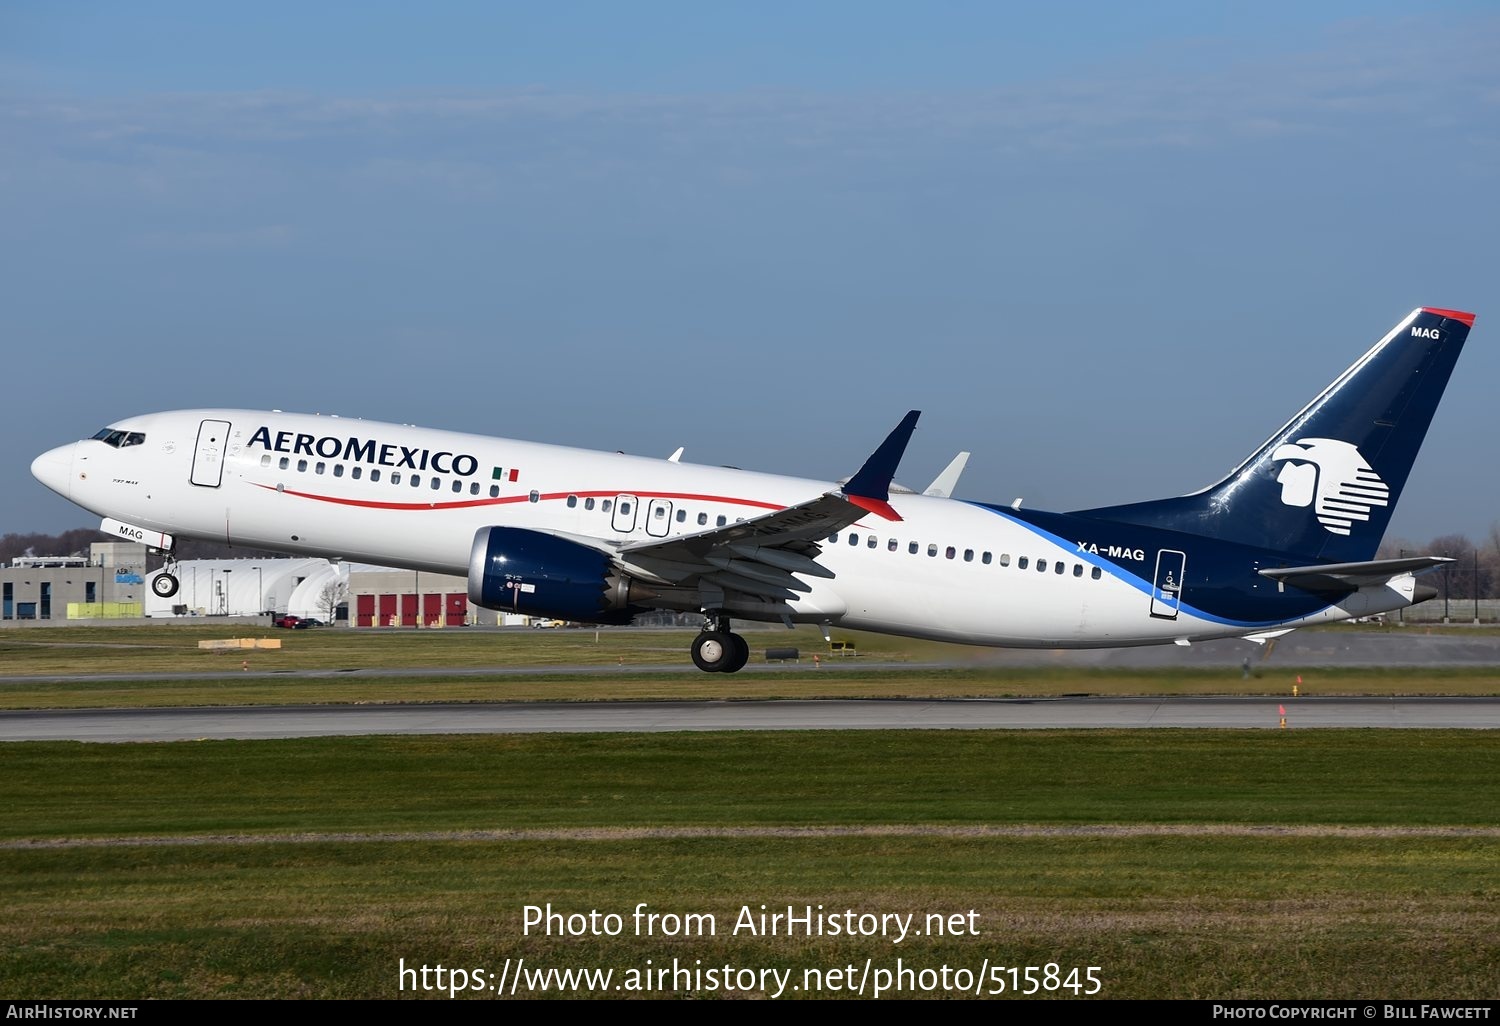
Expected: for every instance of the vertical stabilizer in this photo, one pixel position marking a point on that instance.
(1324, 486)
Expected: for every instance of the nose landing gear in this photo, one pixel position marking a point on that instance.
(717, 649)
(164, 584)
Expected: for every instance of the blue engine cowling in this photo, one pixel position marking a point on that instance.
(521, 571)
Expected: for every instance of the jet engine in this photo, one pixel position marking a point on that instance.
(520, 571)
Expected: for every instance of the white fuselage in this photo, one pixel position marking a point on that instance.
(414, 497)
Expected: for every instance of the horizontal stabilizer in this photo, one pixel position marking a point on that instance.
(1343, 576)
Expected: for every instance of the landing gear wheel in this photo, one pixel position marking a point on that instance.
(720, 652)
(739, 656)
(164, 585)
(712, 651)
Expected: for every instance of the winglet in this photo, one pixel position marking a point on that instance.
(945, 484)
(871, 488)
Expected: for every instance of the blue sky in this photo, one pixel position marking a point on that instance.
(1106, 247)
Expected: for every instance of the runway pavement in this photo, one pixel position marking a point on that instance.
(125, 725)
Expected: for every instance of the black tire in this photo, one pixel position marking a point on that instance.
(164, 585)
(712, 651)
(739, 656)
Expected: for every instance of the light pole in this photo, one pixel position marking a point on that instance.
(1446, 567)
(260, 592)
(224, 598)
(1401, 613)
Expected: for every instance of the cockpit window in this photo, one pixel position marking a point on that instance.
(119, 439)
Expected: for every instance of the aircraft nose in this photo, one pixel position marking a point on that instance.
(54, 468)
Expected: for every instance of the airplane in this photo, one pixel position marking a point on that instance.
(1286, 539)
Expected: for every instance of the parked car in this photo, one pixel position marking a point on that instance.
(547, 624)
(308, 621)
(286, 621)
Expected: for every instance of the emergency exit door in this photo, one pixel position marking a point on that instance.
(1167, 584)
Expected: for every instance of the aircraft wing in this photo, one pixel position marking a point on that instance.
(759, 556)
(1344, 576)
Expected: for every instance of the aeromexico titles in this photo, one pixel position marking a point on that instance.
(1287, 538)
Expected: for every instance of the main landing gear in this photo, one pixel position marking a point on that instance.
(717, 649)
(165, 584)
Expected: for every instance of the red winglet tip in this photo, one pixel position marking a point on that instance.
(879, 508)
(1457, 315)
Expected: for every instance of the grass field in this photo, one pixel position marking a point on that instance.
(1191, 864)
(1182, 863)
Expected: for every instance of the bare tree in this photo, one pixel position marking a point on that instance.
(1456, 579)
(334, 594)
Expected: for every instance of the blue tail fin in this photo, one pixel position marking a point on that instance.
(1325, 485)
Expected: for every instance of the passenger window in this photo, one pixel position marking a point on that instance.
(1021, 562)
(968, 555)
(1061, 567)
(1005, 559)
(1097, 573)
(985, 559)
(265, 460)
(606, 505)
(301, 466)
(458, 487)
(395, 477)
(932, 550)
(536, 496)
(494, 491)
(375, 475)
(473, 487)
(588, 503)
(285, 463)
(890, 546)
(338, 470)
(721, 520)
(1041, 566)
(912, 548)
(356, 472)
(320, 468)
(702, 519)
(682, 516)
(853, 538)
(572, 501)
(1077, 569)
(659, 513)
(416, 480)
(624, 507)
(871, 544)
(950, 552)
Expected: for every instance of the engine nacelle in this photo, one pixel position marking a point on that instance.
(520, 571)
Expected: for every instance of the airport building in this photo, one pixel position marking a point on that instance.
(111, 583)
(107, 584)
